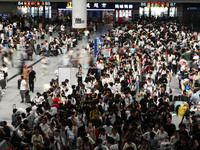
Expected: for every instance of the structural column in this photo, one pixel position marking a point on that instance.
(79, 14)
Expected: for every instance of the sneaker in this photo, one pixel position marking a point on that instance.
(22, 101)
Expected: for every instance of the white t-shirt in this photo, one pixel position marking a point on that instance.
(44, 128)
(19, 133)
(23, 85)
(50, 29)
(103, 147)
(62, 28)
(4, 69)
(115, 137)
(1, 27)
(196, 57)
(114, 147)
(108, 129)
(88, 87)
(86, 32)
(20, 111)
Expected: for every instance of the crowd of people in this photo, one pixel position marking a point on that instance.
(125, 100)
(19, 33)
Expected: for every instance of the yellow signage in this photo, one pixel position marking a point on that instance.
(69, 4)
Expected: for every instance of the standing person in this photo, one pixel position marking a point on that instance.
(1, 27)
(25, 72)
(50, 30)
(10, 55)
(4, 69)
(62, 29)
(32, 44)
(23, 88)
(86, 33)
(79, 76)
(47, 48)
(32, 76)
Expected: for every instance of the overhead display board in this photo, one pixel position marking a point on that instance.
(33, 3)
(157, 4)
(104, 5)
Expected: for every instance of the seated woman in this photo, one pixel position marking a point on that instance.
(53, 49)
(38, 98)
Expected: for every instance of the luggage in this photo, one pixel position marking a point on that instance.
(38, 50)
(3, 84)
(176, 103)
(19, 83)
(28, 98)
(182, 109)
(42, 36)
(171, 98)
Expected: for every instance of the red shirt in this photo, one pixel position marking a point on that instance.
(55, 102)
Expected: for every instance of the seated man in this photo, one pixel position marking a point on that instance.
(4, 131)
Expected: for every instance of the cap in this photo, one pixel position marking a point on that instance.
(24, 65)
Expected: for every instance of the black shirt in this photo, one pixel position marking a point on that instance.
(32, 75)
(7, 131)
(96, 122)
(170, 128)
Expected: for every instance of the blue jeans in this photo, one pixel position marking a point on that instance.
(47, 53)
(86, 38)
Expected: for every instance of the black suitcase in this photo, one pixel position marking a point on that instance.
(28, 98)
(19, 83)
(38, 51)
(3, 84)
(42, 36)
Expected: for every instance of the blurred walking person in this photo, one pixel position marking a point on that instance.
(29, 51)
(44, 65)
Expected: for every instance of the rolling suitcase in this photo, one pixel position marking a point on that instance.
(19, 83)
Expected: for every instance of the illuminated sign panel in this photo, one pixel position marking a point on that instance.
(33, 3)
(157, 4)
(99, 5)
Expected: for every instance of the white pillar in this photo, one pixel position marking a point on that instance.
(79, 14)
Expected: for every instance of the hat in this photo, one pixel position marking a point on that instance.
(24, 65)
